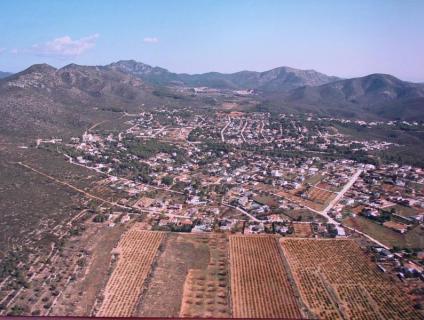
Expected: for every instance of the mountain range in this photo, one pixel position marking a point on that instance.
(43, 100)
(4, 74)
(278, 79)
(375, 95)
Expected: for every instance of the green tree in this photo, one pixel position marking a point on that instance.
(168, 180)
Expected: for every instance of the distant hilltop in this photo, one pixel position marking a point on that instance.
(4, 74)
(280, 79)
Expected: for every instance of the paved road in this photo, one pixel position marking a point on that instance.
(261, 131)
(242, 211)
(347, 186)
(333, 202)
(367, 236)
(223, 130)
(242, 130)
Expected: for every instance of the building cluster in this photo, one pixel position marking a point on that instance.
(251, 173)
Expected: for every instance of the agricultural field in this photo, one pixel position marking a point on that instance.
(260, 284)
(302, 230)
(336, 280)
(291, 197)
(298, 200)
(199, 278)
(320, 196)
(137, 250)
(304, 215)
(404, 211)
(206, 290)
(414, 238)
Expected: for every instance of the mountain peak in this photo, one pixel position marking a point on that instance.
(41, 67)
(134, 66)
(71, 66)
(34, 76)
(129, 62)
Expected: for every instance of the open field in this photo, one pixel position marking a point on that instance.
(404, 211)
(206, 290)
(336, 280)
(199, 278)
(304, 215)
(302, 230)
(66, 278)
(290, 196)
(260, 285)
(329, 187)
(137, 250)
(315, 179)
(414, 238)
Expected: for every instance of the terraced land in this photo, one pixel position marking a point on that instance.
(337, 281)
(260, 285)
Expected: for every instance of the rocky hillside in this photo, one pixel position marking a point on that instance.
(44, 100)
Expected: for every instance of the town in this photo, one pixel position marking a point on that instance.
(230, 172)
(249, 173)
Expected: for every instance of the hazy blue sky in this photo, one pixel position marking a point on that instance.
(343, 38)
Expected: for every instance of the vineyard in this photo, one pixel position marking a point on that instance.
(205, 290)
(260, 287)
(137, 250)
(336, 280)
